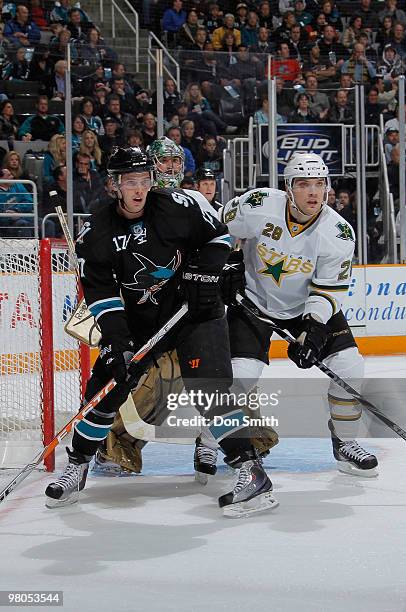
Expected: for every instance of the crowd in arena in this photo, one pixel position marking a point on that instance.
(320, 50)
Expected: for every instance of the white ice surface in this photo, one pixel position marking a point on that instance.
(157, 543)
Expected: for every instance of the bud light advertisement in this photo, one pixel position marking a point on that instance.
(327, 140)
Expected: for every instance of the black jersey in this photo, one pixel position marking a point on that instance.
(130, 269)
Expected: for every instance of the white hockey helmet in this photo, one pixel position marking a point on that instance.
(305, 165)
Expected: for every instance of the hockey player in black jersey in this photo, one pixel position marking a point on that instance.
(135, 255)
(206, 184)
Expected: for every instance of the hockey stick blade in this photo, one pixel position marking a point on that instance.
(256, 312)
(30, 467)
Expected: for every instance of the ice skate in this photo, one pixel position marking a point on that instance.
(65, 490)
(205, 460)
(252, 492)
(104, 467)
(353, 459)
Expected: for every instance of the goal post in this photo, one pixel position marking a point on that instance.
(43, 371)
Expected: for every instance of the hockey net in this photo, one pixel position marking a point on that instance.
(42, 369)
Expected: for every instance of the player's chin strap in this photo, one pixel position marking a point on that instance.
(254, 310)
(293, 204)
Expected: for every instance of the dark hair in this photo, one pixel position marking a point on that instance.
(57, 172)
(83, 120)
(3, 103)
(85, 101)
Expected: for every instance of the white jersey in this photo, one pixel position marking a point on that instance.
(291, 269)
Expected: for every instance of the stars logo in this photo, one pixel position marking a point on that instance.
(275, 270)
(255, 199)
(345, 231)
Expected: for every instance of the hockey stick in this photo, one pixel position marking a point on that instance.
(252, 308)
(30, 467)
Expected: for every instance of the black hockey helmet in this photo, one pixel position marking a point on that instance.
(128, 159)
(203, 174)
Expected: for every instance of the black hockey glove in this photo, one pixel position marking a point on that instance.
(309, 343)
(201, 290)
(232, 280)
(116, 356)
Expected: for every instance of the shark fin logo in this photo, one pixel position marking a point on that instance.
(150, 277)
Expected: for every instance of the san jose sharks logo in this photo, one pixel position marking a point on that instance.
(150, 278)
(345, 231)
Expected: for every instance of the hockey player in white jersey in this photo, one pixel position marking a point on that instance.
(298, 254)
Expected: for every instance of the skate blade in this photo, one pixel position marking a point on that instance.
(201, 478)
(52, 503)
(261, 503)
(347, 468)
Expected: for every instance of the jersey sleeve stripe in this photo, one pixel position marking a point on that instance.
(102, 306)
(226, 240)
(330, 287)
(333, 303)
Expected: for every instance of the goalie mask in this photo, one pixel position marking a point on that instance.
(305, 165)
(168, 161)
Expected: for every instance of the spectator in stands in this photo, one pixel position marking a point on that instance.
(316, 28)
(8, 122)
(55, 156)
(391, 10)
(369, 17)
(60, 12)
(370, 49)
(12, 161)
(398, 40)
(227, 28)
(210, 156)
(214, 19)
(264, 15)
(79, 125)
(148, 130)
(341, 111)
(88, 188)
(113, 136)
(175, 134)
(241, 15)
(100, 99)
(58, 47)
(282, 34)
(384, 34)
(263, 45)
(173, 20)
(202, 113)
(187, 33)
(93, 121)
(322, 69)
(78, 26)
(94, 51)
(135, 139)
(330, 48)
(17, 69)
(302, 112)
(393, 171)
(192, 56)
(38, 15)
(250, 30)
(14, 198)
(142, 104)
(246, 74)
(352, 31)
(358, 67)
(332, 14)
(345, 207)
(391, 65)
(331, 199)
(189, 139)
(392, 140)
(288, 68)
(298, 42)
(319, 102)
(127, 102)
(20, 31)
(387, 97)
(41, 65)
(56, 81)
(130, 86)
(284, 98)
(41, 126)
(171, 96)
(55, 195)
(89, 145)
(261, 116)
(303, 17)
(373, 109)
(124, 120)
